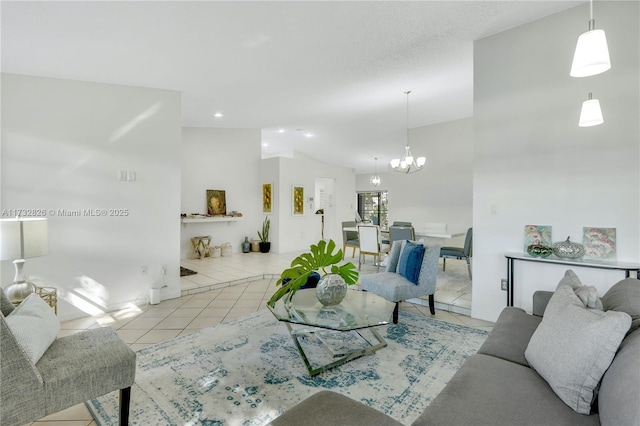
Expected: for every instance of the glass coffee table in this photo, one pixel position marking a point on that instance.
(328, 336)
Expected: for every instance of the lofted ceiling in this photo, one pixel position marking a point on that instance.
(336, 71)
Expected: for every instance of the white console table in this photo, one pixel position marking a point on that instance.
(513, 256)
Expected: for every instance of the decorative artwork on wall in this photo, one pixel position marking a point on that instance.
(267, 198)
(297, 200)
(538, 234)
(599, 243)
(216, 202)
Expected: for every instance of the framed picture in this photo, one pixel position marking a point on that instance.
(599, 243)
(538, 234)
(216, 202)
(267, 198)
(297, 200)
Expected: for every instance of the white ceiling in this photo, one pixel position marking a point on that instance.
(337, 70)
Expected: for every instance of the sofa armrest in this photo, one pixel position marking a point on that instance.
(540, 301)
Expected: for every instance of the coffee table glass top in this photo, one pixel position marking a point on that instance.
(359, 309)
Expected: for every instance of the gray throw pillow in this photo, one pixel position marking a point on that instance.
(571, 279)
(587, 294)
(625, 297)
(573, 346)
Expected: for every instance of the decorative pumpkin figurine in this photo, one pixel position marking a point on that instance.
(568, 249)
(537, 249)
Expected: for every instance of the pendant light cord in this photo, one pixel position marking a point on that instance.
(407, 93)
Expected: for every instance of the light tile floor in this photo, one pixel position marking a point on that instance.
(208, 300)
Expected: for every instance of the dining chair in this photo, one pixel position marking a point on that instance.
(371, 243)
(401, 233)
(460, 253)
(349, 238)
(401, 224)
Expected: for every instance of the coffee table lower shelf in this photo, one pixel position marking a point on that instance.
(323, 349)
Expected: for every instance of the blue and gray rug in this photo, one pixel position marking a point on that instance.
(248, 371)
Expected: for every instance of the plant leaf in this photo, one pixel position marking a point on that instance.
(319, 257)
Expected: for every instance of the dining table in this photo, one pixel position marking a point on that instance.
(422, 233)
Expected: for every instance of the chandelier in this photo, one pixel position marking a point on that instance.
(375, 179)
(407, 163)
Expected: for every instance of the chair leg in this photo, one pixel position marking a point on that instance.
(377, 263)
(469, 268)
(395, 313)
(344, 250)
(432, 304)
(353, 253)
(125, 400)
(444, 263)
(359, 260)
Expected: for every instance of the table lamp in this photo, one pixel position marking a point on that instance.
(20, 239)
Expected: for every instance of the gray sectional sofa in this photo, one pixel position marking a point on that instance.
(497, 386)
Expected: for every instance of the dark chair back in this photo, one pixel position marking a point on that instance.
(468, 243)
(401, 233)
(401, 224)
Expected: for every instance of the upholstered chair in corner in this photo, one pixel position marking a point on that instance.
(395, 287)
(73, 369)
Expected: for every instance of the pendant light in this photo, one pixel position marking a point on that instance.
(592, 53)
(407, 164)
(591, 114)
(375, 179)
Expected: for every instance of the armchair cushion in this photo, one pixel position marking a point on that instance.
(411, 261)
(34, 325)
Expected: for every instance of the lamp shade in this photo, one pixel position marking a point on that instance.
(591, 114)
(592, 54)
(22, 238)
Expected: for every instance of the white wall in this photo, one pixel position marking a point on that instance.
(224, 159)
(295, 233)
(443, 191)
(63, 143)
(534, 165)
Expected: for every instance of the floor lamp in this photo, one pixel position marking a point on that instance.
(321, 212)
(20, 239)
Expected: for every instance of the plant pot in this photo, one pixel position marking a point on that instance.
(331, 289)
(265, 247)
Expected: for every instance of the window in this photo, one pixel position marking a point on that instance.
(372, 206)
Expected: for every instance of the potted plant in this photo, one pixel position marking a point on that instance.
(265, 245)
(319, 258)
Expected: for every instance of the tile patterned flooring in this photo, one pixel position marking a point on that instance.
(223, 289)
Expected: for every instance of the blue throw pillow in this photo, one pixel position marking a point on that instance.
(411, 261)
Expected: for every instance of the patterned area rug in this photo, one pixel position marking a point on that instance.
(248, 371)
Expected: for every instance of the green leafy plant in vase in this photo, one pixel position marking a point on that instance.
(265, 245)
(318, 259)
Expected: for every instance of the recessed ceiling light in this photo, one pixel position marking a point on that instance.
(218, 115)
(280, 130)
(308, 135)
(265, 144)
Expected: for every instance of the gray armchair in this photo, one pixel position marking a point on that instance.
(396, 288)
(73, 369)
